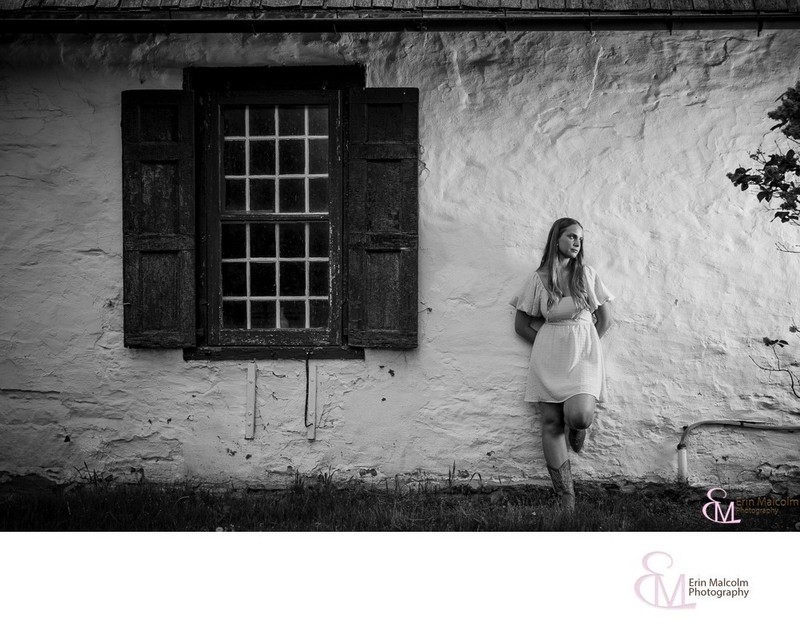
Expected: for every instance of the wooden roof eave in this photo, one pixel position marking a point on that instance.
(373, 20)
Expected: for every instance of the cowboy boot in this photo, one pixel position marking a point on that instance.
(576, 437)
(562, 482)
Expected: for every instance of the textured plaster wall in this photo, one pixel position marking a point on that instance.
(632, 133)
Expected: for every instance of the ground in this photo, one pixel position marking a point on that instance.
(318, 504)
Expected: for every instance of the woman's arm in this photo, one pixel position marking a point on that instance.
(522, 326)
(604, 319)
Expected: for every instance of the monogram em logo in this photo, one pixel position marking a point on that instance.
(723, 517)
(652, 588)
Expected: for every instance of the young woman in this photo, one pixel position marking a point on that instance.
(566, 374)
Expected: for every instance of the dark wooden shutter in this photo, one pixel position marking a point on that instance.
(382, 217)
(158, 218)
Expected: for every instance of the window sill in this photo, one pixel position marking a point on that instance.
(244, 353)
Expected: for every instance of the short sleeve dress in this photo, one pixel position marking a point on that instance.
(566, 357)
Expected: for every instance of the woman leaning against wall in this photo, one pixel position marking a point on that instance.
(566, 375)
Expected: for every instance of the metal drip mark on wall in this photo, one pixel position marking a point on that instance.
(250, 404)
(310, 417)
(308, 386)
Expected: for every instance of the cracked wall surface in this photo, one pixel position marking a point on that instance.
(631, 133)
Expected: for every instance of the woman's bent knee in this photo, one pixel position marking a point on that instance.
(580, 419)
(579, 411)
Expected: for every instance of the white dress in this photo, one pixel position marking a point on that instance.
(566, 357)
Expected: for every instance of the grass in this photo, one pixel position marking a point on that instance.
(319, 505)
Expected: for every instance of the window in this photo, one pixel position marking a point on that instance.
(274, 219)
(270, 212)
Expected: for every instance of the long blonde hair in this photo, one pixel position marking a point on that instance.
(577, 274)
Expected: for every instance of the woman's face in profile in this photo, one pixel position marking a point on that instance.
(571, 241)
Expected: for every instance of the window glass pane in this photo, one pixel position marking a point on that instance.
(234, 195)
(234, 240)
(234, 314)
(319, 313)
(293, 314)
(293, 240)
(292, 195)
(234, 279)
(234, 157)
(262, 195)
(233, 121)
(262, 314)
(318, 121)
(318, 278)
(292, 157)
(262, 121)
(318, 240)
(293, 278)
(318, 156)
(262, 157)
(262, 241)
(318, 195)
(262, 279)
(291, 121)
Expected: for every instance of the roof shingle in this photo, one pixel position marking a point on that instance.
(282, 4)
(771, 5)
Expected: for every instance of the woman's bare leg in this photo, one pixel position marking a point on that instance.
(555, 452)
(578, 416)
(553, 443)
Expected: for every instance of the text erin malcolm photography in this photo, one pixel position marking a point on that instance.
(764, 505)
(718, 587)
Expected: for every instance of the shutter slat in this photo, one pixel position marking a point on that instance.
(383, 217)
(158, 218)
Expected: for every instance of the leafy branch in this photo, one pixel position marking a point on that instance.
(774, 344)
(777, 175)
(776, 178)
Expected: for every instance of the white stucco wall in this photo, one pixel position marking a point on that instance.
(631, 133)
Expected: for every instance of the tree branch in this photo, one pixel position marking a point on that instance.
(792, 378)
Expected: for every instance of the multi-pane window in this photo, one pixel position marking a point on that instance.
(274, 219)
(275, 274)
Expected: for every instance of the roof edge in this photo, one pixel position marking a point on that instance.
(227, 20)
